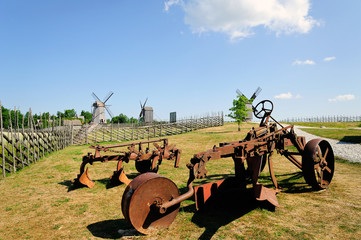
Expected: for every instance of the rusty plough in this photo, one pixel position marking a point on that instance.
(146, 159)
(151, 202)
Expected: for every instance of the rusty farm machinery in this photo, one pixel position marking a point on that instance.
(151, 202)
(146, 159)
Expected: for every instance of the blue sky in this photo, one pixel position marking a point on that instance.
(186, 56)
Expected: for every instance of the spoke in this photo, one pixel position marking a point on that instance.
(327, 169)
(325, 155)
(321, 178)
(319, 153)
(318, 172)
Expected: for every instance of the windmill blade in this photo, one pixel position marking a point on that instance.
(239, 92)
(107, 97)
(145, 102)
(95, 97)
(109, 112)
(255, 94)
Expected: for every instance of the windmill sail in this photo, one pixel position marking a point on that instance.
(255, 94)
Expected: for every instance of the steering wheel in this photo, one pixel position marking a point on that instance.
(263, 108)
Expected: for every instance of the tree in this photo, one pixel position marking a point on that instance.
(133, 120)
(5, 114)
(239, 111)
(87, 116)
(121, 118)
(69, 113)
(60, 114)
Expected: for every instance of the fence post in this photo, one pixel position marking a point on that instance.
(111, 132)
(12, 142)
(71, 134)
(2, 140)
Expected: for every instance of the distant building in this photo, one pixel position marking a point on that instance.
(173, 117)
(148, 114)
(98, 112)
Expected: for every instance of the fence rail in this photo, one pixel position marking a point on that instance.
(118, 132)
(324, 119)
(22, 146)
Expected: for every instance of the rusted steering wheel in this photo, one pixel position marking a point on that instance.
(263, 108)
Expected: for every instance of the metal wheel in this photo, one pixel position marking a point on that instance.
(318, 163)
(140, 200)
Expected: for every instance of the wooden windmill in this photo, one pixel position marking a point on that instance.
(146, 113)
(99, 108)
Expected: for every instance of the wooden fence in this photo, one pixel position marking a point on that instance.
(21, 147)
(335, 118)
(117, 132)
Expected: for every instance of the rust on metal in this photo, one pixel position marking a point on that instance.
(141, 200)
(256, 149)
(146, 159)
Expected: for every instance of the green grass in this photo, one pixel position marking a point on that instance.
(328, 124)
(39, 202)
(346, 135)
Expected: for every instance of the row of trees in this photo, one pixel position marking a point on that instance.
(15, 119)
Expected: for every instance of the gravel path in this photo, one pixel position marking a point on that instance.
(345, 150)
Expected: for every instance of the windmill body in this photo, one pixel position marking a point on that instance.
(99, 108)
(98, 112)
(146, 113)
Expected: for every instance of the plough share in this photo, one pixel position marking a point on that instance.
(146, 160)
(151, 202)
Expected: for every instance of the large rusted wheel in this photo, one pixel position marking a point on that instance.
(140, 200)
(318, 163)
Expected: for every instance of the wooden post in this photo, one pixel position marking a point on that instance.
(2, 140)
(86, 135)
(111, 132)
(27, 149)
(12, 142)
(72, 134)
(132, 132)
(18, 138)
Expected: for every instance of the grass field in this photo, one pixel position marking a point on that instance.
(344, 134)
(39, 202)
(329, 124)
(343, 131)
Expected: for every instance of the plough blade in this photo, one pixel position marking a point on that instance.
(262, 193)
(85, 179)
(120, 177)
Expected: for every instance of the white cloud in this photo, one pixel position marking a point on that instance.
(346, 97)
(284, 96)
(287, 96)
(306, 62)
(170, 3)
(327, 59)
(237, 18)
